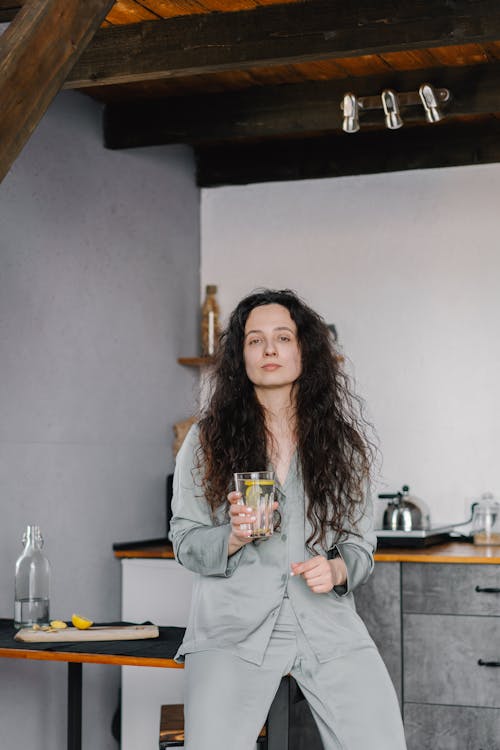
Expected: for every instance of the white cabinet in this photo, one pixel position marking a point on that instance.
(158, 590)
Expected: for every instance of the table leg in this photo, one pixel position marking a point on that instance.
(278, 717)
(74, 706)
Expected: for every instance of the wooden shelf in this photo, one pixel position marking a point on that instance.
(196, 361)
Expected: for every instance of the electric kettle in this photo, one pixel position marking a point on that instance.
(405, 512)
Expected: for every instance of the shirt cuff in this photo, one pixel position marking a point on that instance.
(358, 563)
(204, 550)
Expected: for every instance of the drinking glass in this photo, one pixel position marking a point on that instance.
(257, 492)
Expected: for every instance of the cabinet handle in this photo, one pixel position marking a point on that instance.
(488, 590)
(488, 663)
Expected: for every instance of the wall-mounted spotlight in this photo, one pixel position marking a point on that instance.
(390, 104)
(350, 107)
(430, 102)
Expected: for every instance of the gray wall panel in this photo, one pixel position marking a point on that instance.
(379, 605)
(99, 295)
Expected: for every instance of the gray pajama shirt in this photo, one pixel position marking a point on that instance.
(251, 622)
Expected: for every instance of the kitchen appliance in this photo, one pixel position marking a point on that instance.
(158, 541)
(405, 512)
(416, 538)
(407, 522)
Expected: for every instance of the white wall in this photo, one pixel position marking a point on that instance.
(99, 295)
(407, 265)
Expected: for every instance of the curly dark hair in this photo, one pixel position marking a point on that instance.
(334, 451)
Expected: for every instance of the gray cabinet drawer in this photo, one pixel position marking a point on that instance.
(451, 728)
(439, 588)
(441, 656)
(378, 603)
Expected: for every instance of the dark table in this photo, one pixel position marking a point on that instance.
(155, 652)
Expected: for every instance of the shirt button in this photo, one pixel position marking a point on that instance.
(283, 537)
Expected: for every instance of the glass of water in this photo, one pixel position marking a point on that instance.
(257, 492)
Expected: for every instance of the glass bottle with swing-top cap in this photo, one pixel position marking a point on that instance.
(32, 582)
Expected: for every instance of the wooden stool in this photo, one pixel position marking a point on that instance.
(172, 728)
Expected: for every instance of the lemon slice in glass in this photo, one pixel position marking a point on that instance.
(252, 495)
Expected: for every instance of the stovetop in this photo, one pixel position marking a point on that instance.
(415, 538)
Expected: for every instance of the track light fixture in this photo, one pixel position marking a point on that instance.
(391, 103)
(350, 107)
(430, 103)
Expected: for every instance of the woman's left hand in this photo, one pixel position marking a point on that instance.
(320, 574)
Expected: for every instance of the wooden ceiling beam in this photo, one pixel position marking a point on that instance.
(448, 145)
(37, 51)
(291, 110)
(10, 8)
(278, 34)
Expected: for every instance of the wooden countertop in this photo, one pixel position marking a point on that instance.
(159, 551)
(451, 552)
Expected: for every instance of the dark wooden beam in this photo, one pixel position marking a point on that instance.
(292, 110)
(37, 51)
(277, 34)
(441, 145)
(9, 9)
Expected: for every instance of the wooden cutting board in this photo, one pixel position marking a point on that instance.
(95, 633)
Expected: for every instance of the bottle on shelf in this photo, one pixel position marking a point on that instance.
(32, 582)
(209, 322)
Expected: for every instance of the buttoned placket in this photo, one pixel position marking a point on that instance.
(292, 521)
(283, 527)
(295, 534)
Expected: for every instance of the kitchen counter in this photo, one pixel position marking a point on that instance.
(159, 551)
(450, 552)
(433, 612)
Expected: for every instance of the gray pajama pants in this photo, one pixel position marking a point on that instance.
(351, 697)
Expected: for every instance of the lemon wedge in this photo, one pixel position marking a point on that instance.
(82, 623)
(252, 495)
(58, 624)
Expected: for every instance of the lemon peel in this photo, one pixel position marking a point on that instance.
(58, 624)
(82, 623)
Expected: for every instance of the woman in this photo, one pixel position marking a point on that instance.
(262, 609)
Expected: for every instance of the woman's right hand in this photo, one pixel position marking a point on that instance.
(240, 516)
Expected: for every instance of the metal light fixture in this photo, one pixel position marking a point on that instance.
(390, 104)
(429, 99)
(350, 107)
